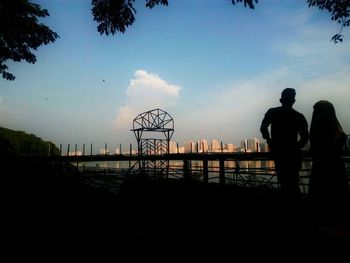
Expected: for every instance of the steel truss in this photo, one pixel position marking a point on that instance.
(157, 122)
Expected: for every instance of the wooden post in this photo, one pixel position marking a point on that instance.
(130, 155)
(186, 168)
(84, 149)
(68, 149)
(222, 171)
(205, 171)
(91, 149)
(105, 148)
(177, 146)
(120, 148)
(75, 150)
(237, 170)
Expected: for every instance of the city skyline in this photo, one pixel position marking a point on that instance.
(188, 146)
(215, 71)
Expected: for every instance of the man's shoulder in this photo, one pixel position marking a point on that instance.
(283, 112)
(298, 113)
(274, 110)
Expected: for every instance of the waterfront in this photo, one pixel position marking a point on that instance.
(241, 173)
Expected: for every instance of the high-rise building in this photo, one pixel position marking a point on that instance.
(173, 147)
(230, 147)
(250, 145)
(215, 146)
(203, 146)
(190, 147)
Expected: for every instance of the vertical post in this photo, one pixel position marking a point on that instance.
(105, 148)
(168, 161)
(186, 167)
(120, 148)
(168, 146)
(222, 171)
(75, 154)
(237, 170)
(221, 147)
(68, 149)
(91, 149)
(205, 171)
(130, 155)
(84, 149)
(61, 149)
(155, 149)
(177, 147)
(197, 147)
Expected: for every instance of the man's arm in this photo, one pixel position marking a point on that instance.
(264, 127)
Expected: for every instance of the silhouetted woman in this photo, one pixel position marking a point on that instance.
(328, 187)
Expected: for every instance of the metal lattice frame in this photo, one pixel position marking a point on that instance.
(154, 121)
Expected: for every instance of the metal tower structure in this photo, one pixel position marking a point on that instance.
(153, 130)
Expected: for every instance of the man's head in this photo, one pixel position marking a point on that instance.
(288, 97)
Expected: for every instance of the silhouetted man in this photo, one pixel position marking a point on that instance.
(289, 133)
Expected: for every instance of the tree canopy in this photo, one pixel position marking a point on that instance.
(117, 15)
(21, 32)
(19, 143)
(339, 10)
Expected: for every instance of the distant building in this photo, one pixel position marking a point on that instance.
(172, 147)
(251, 145)
(189, 147)
(230, 147)
(215, 146)
(203, 146)
(181, 149)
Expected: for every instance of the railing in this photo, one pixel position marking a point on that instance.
(243, 169)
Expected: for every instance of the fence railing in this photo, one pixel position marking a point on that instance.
(244, 169)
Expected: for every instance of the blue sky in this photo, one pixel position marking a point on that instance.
(214, 67)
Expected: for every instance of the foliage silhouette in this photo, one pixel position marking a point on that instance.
(19, 143)
(20, 32)
(116, 15)
(340, 12)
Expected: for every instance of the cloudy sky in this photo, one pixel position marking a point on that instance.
(214, 67)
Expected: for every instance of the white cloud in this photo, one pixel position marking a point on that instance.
(146, 91)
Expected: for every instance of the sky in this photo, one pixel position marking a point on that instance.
(214, 67)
